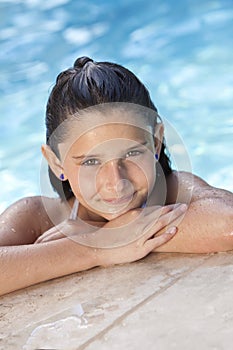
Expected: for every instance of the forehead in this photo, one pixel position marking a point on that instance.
(96, 127)
(108, 137)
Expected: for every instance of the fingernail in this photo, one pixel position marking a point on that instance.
(171, 230)
(183, 207)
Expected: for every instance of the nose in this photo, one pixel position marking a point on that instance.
(113, 176)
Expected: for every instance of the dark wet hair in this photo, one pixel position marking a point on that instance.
(87, 84)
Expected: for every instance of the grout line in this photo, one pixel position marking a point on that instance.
(120, 319)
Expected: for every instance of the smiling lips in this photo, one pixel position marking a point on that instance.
(119, 201)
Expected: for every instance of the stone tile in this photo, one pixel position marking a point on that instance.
(106, 295)
(194, 313)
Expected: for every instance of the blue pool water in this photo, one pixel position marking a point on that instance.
(182, 50)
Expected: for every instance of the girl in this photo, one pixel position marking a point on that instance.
(119, 198)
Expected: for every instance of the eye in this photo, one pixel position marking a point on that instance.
(91, 162)
(133, 153)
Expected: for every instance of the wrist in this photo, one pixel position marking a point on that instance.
(80, 256)
(101, 257)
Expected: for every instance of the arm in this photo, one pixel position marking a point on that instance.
(25, 265)
(208, 223)
(23, 221)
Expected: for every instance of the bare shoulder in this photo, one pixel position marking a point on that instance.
(26, 219)
(187, 187)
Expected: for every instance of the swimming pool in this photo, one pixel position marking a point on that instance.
(182, 51)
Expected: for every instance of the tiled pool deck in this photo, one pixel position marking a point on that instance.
(163, 302)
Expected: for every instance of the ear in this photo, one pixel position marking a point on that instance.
(158, 137)
(53, 161)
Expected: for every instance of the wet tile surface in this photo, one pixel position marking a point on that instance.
(170, 301)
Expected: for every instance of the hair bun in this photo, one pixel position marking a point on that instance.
(81, 61)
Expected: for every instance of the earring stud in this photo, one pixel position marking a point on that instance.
(62, 177)
(156, 156)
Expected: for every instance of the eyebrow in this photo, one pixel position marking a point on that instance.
(140, 144)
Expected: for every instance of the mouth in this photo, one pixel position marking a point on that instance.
(119, 200)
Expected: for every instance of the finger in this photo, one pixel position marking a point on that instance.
(42, 238)
(50, 237)
(169, 217)
(160, 210)
(157, 241)
(53, 237)
(39, 240)
(154, 226)
(45, 234)
(151, 213)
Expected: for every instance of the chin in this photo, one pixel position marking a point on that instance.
(113, 215)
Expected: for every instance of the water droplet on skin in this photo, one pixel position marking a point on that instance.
(105, 338)
(13, 230)
(2, 222)
(123, 323)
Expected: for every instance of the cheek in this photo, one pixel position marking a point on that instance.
(144, 172)
(146, 175)
(83, 182)
(150, 177)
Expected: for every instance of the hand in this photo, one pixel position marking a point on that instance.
(128, 238)
(67, 228)
(134, 234)
(141, 214)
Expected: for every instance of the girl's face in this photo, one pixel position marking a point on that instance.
(111, 168)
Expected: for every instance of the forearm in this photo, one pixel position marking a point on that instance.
(206, 227)
(25, 265)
